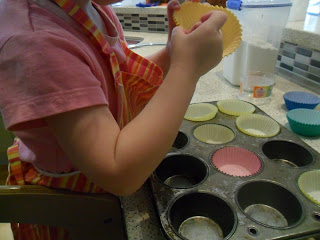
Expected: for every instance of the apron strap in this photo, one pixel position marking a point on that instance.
(16, 174)
(56, 10)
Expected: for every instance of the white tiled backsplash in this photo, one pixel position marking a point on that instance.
(300, 60)
(149, 19)
(144, 22)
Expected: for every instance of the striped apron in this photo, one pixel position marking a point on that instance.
(134, 89)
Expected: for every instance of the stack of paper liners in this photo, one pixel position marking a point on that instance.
(191, 12)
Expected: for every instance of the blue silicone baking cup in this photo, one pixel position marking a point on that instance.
(305, 122)
(297, 99)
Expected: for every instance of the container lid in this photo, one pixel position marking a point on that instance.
(240, 4)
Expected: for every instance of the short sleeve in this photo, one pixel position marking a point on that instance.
(43, 74)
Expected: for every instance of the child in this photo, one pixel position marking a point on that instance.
(88, 113)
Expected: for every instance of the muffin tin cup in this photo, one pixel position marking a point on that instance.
(200, 215)
(287, 153)
(270, 204)
(199, 227)
(181, 171)
(180, 142)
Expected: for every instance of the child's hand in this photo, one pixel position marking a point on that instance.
(173, 5)
(200, 49)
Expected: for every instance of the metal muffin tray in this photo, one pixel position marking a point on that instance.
(195, 200)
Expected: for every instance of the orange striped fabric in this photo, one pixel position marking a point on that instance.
(142, 67)
(23, 173)
(138, 85)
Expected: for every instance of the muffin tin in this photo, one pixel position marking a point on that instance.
(196, 199)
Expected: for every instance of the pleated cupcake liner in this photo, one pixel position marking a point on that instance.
(191, 12)
(309, 184)
(213, 134)
(236, 161)
(235, 107)
(201, 112)
(296, 99)
(305, 122)
(257, 125)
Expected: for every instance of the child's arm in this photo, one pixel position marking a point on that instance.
(120, 161)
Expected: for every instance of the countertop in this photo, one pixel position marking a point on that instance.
(304, 33)
(139, 211)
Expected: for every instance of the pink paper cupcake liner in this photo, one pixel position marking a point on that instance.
(236, 161)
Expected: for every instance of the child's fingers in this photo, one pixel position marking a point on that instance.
(194, 27)
(173, 5)
(215, 18)
(179, 30)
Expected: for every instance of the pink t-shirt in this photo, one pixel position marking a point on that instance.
(49, 66)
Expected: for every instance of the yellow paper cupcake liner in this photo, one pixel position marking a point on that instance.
(201, 112)
(257, 125)
(191, 12)
(235, 107)
(214, 134)
(309, 184)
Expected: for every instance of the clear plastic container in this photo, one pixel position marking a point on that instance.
(262, 23)
(256, 87)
